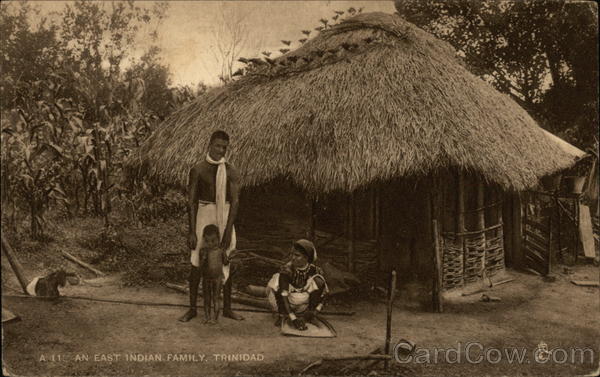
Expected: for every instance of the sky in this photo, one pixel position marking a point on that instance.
(188, 34)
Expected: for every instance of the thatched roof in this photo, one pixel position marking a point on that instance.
(372, 98)
(566, 147)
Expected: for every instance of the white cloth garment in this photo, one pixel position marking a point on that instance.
(220, 191)
(31, 286)
(215, 213)
(206, 215)
(297, 297)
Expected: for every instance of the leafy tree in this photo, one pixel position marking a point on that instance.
(19, 64)
(543, 53)
(75, 114)
(97, 37)
(156, 80)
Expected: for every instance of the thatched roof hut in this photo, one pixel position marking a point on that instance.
(371, 98)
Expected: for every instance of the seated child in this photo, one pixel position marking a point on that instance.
(213, 259)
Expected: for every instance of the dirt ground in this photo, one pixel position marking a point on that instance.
(56, 337)
(51, 334)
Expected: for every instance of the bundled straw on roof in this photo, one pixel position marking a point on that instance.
(374, 97)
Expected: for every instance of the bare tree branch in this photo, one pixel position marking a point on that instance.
(229, 39)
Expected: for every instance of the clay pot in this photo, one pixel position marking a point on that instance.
(574, 185)
(551, 182)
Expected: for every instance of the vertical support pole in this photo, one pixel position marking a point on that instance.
(499, 199)
(372, 212)
(527, 200)
(550, 230)
(518, 230)
(498, 220)
(377, 211)
(481, 222)
(350, 232)
(437, 263)
(15, 264)
(577, 224)
(558, 225)
(460, 220)
(507, 226)
(377, 216)
(493, 210)
(388, 327)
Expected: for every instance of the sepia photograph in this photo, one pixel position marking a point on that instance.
(300, 188)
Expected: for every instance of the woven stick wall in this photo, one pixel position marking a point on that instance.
(463, 266)
(494, 259)
(464, 252)
(474, 251)
(452, 262)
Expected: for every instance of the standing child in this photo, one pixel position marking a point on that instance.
(213, 260)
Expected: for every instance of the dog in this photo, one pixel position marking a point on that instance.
(47, 286)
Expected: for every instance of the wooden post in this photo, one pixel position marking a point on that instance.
(507, 222)
(376, 229)
(350, 232)
(550, 230)
(525, 211)
(15, 264)
(493, 211)
(388, 327)
(558, 224)
(481, 220)
(437, 264)
(436, 208)
(517, 231)
(494, 217)
(377, 211)
(372, 212)
(577, 225)
(460, 220)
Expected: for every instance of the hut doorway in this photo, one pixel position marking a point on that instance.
(405, 239)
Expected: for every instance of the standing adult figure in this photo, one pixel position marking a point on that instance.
(213, 194)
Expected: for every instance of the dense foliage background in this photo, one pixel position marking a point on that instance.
(543, 53)
(75, 102)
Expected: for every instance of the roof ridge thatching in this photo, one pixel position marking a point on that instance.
(376, 21)
(372, 98)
